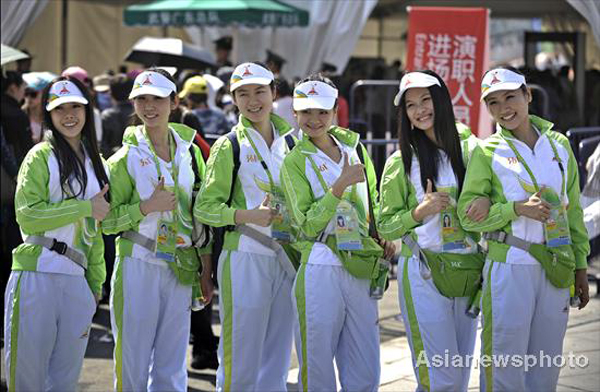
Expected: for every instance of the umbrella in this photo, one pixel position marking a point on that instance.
(171, 52)
(10, 54)
(252, 13)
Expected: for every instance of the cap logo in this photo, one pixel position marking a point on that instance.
(495, 79)
(147, 81)
(408, 81)
(64, 89)
(299, 94)
(312, 90)
(247, 71)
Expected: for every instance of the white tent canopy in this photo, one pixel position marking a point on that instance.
(331, 36)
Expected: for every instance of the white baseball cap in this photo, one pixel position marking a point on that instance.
(314, 95)
(250, 73)
(500, 79)
(152, 83)
(64, 91)
(415, 80)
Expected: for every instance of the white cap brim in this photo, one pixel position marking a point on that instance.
(150, 90)
(417, 80)
(244, 82)
(68, 99)
(509, 86)
(326, 103)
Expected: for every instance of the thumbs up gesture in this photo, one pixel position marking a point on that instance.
(264, 214)
(100, 206)
(161, 200)
(433, 203)
(351, 174)
(534, 207)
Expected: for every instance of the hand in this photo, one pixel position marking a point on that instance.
(351, 174)
(478, 209)
(100, 206)
(433, 203)
(582, 290)
(161, 200)
(389, 249)
(262, 215)
(207, 287)
(534, 208)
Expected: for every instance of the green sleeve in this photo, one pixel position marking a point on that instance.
(96, 271)
(202, 173)
(481, 182)
(211, 204)
(123, 215)
(579, 236)
(310, 215)
(398, 200)
(35, 214)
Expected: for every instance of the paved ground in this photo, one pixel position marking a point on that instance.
(583, 338)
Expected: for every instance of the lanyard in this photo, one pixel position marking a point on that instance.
(522, 162)
(174, 168)
(262, 162)
(324, 183)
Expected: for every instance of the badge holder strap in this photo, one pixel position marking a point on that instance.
(526, 166)
(174, 174)
(262, 162)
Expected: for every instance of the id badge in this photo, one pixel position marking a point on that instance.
(556, 228)
(166, 240)
(280, 227)
(347, 232)
(453, 236)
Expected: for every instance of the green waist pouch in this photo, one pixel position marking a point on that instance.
(186, 266)
(359, 263)
(558, 263)
(456, 274)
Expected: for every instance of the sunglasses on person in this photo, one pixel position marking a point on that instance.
(31, 93)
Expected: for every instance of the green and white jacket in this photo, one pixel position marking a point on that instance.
(251, 185)
(402, 192)
(43, 210)
(312, 203)
(496, 173)
(134, 177)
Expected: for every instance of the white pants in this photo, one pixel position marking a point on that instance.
(436, 327)
(256, 319)
(150, 318)
(46, 324)
(523, 314)
(335, 319)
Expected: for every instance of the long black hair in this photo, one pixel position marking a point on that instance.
(445, 132)
(70, 165)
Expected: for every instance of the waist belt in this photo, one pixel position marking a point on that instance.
(414, 247)
(270, 243)
(59, 247)
(508, 239)
(140, 239)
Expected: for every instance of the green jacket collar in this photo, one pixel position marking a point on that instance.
(343, 135)
(542, 125)
(281, 126)
(185, 133)
(464, 132)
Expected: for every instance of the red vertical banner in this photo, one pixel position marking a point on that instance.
(453, 43)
